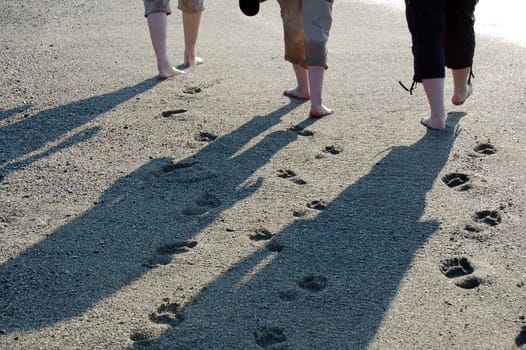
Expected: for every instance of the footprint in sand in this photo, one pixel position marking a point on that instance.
(472, 229)
(202, 204)
(333, 149)
(204, 136)
(460, 270)
(485, 148)
(176, 247)
(299, 213)
(192, 90)
(167, 114)
(268, 336)
(164, 254)
(455, 180)
(477, 233)
(289, 174)
(488, 217)
(317, 205)
(144, 333)
(261, 235)
(169, 313)
(274, 246)
(313, 283)
(289, 295)
(285, 174)
(456, 267)
(299, 130)
(175, 166)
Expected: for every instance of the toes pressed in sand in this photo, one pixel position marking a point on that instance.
(433, 123)
(459, 98)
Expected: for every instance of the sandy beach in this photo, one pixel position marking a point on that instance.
(208, 211)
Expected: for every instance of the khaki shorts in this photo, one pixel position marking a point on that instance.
(306, 25)
(151, 6)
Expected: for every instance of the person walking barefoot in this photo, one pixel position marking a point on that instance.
(442, 33)
(306, 25)
(156, 12)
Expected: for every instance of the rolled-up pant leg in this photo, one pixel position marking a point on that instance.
(317, 21)
(426, 20)
(459, 38)
(151, 6)
(191, 6)
(293, 30)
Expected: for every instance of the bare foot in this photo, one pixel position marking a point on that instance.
(193, 62)
(297, 93)
(434, 123)
(165, 73)
(461, 97)
(320, 112)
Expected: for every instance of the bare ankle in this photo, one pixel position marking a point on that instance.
(461, 95)
(297, 92)
(320, 111)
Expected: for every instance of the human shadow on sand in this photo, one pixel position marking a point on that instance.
(8, 113)
(111, 245)
(334, 276)
(33, 132)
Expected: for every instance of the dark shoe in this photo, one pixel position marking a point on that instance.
(249, 7)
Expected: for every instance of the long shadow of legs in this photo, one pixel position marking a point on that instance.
(32, 133)
(10, 112)
(113, 243)
(334, 276)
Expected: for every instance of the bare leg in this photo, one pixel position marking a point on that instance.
(191, 21)
(157, 24)
(301, 91)
(463, 88)
(434, 89)
(317, 108)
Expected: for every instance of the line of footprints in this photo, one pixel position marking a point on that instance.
(459, 269)
(170, 312)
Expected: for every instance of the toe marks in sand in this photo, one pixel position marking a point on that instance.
(457, 180)
(192, 90)
(204, 136)
(261, 235)
(267, 336)
(164, 254)
(300, 131)
(333, 149)
(201, 205)
(285, 174)
(291, 175)
(266, 235)
(460, 271)
(313, 283)
(488, 217)
(485, 149)
(317, 205)
(456, 267)
(169, 313)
